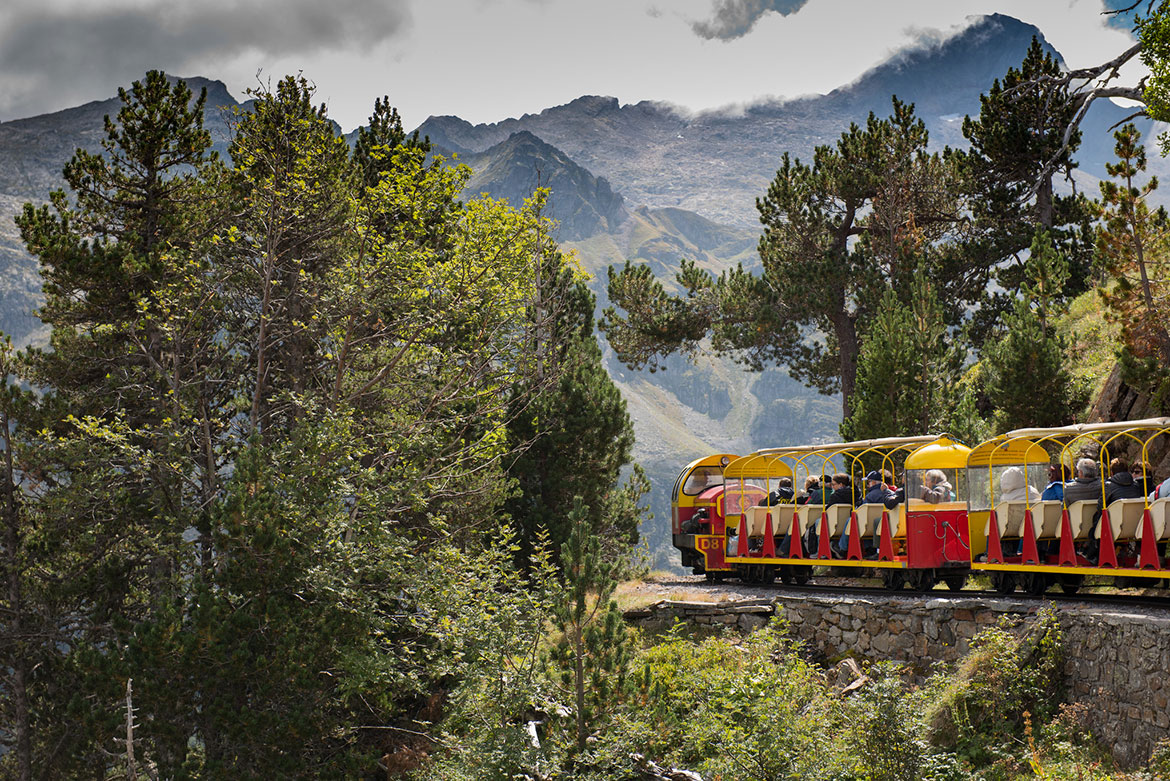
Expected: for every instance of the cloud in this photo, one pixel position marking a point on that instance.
(735, 18)
(46, 46)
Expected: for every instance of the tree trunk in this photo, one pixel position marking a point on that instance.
(845, 329)
(1044, 204)
(15, 600)
(579, 680)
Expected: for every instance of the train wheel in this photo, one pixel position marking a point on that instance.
(768, 575)
(921, 579)
(1003, 582)
(1070, 584)
(786, 576)
(1035, 583)
(956, 581)
(801, 575)
(893, 579)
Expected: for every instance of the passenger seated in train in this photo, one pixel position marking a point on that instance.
(814, 493)
(1014, 488)
(842, 490)
(1120, 484)
(1162, 491)
(1086, 485)
(876, 492)
(783, 493)
(842, 493)
(1054, 491)
(937, 489)
(1142, 476)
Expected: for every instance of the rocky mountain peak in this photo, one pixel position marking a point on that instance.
(582, 203)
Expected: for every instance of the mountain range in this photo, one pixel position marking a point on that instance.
(646, 182)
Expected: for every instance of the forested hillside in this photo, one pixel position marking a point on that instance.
(643, 183)
(324, 463)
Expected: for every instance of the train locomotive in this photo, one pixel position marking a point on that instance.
(954, 510)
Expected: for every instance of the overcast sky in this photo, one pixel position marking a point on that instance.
(486, 60)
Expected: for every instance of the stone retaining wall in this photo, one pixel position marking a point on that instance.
(1117, 661)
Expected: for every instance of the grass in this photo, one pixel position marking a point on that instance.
(1091, 341)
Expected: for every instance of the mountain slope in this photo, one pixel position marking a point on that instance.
(582, 203)
(716, 163)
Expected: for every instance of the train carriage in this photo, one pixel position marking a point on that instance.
(1036, 543)
(914, 542)
(960, 510)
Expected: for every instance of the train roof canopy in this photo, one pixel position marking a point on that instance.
(1004, 450)
(1079, 429)
(766, 465)
(861, 444)
(942, 453)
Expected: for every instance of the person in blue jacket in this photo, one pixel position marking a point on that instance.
(1054, 491)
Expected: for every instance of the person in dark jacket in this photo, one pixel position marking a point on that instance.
(842, 493)
(783, 493)
(876, 492)
(1120, 484)
(842, 490)
(1141, 475)
(1086, 485)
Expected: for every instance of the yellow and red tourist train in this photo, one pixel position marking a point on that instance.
(1032, 508)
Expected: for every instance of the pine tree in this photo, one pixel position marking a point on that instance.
(1025, 372)
(1017, 150)
(573, 434)
(909, 366)
(246, 481)
(857, 220)
(593, 651)
(1134, 245)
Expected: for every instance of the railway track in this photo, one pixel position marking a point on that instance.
(1087, 597)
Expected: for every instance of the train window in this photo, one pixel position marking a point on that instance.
(987, 487)
(741, 495)
(936, 486)
(702, 478)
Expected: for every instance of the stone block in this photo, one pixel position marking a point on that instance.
(752, 621)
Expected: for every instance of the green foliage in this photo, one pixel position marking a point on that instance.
(276, 411)
(907, 369)
(1154, 33)
(1133, 244)
(860, 219)
(1002, 682)
(593, 652)
(1025, 372)
(1017, 150)
(570, 424)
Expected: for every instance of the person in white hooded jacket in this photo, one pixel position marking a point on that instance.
(1014, 488)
